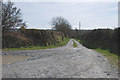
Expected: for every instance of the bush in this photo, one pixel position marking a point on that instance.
(29, 37)
(103, 39)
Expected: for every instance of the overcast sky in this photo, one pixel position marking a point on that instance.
(91, 14)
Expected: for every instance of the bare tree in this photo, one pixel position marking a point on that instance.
(61, 24)
(11, 16)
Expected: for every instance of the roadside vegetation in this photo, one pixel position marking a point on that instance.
(74, 43)
(30, 37)
(78, 41)
(105, 39)
(61, 43)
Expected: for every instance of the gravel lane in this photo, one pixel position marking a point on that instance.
(62, 62)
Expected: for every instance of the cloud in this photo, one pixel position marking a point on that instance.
(91, 15)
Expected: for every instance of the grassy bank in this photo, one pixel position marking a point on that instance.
(74, 44)
(112, 58)
(61, 43)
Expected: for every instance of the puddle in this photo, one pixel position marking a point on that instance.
(11, 59)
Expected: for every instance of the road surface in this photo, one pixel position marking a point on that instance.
(62, 62)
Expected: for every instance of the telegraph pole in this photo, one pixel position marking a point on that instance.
(79, 25)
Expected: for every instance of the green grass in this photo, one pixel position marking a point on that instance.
(61, 43)
(112, 58)
(79, 41)
(74, 44)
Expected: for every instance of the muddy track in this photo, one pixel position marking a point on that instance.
(62, 62)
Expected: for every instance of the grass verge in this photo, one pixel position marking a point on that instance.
(112, 58)
(79, 41)
(61, 43)
(74, 44)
